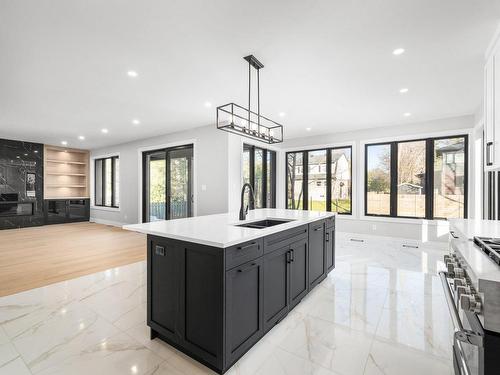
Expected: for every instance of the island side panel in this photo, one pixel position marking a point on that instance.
(202, 301)
(187, 278)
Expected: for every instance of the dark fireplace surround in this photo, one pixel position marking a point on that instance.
(21, 184)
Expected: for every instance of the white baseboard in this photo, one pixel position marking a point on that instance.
(106, 222)
(440, 245)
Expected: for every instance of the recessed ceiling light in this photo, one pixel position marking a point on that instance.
(208, 104)
(36, 151)
(105, 131)
(398, 51)
(64, 143)
(25, 154)
(308, 129)
(132, 73)
(407, 114)
(282, 114)
(81, 137)
(404, 90)
(136, 121)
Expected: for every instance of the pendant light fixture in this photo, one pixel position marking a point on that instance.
(236, 119)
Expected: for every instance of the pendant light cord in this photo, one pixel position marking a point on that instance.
(249, 92)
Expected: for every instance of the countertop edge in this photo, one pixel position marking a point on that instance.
(262, 232)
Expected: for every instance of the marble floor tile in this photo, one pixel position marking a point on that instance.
(327, 344)
(132, 318)
(141, 333)
(3, 336)
(61, 337)
(394, 359)
(358, 309)
(15, 367)
(281, 362)
(380, 311)
(420, 321)
(118, 355)
(7, 353)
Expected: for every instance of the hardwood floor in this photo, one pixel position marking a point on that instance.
(34, 257)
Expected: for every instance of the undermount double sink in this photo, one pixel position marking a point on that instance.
(266, 223)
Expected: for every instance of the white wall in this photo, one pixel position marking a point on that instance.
(423, 230)
(218, 167)
(210, 170)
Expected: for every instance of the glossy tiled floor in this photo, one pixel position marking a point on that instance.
(381, 311)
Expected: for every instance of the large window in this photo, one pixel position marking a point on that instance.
(425, 178)
(259, 170)
(107, 182)
(319, 180)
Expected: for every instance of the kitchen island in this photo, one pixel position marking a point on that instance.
(216, 285)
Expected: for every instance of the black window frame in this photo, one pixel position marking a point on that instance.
(251, 148)
(144, 182)
(305, 177)
(103, 181)
(429, 177)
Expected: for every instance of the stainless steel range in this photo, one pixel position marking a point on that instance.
(472, 288)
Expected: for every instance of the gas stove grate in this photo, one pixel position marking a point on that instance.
(490, 246)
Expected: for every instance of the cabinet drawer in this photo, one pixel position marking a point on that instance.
(330, 222)
(243, 252)
(278, 240)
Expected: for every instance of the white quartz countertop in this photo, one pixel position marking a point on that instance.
(476, 227)
(481, 265)
(221, 231)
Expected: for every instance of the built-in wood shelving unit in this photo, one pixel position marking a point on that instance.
(66, 173)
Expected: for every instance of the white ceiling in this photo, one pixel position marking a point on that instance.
(328, 64)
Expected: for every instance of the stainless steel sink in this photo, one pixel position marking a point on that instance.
(266, 223)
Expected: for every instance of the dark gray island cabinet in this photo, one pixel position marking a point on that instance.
(215, 303)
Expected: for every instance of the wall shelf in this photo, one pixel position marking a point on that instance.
(66, 162)
(66, 173)
(66, 186)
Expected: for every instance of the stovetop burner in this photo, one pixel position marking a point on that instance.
(490, 246)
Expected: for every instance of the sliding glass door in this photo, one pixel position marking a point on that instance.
(155, 183)
(168, 184)
(180, 187)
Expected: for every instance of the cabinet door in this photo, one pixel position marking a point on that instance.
(330, 249)
(78, 210)
(244, 288)
(163, 285)
(56, 211)
(276, 292)
(489, 111)
(298, 272)
(317, 261)
(496, 105)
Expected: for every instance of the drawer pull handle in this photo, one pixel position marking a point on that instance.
(327, 237)
(247, 268)
(160, 250)
(453, 234)
(247, 246)
(318, 228)
(489, 153)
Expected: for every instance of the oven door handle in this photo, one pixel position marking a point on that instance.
(460, 334)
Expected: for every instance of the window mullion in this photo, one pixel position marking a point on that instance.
(103, 183)
(329, 179)
(305, 179)
(429, 179)
(394, 180)
(264, 178)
